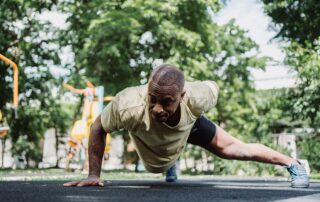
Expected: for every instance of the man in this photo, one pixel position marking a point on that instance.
(163, 116)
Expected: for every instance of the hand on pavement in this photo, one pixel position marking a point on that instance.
(90, 181)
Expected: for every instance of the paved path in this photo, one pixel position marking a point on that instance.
(194, 190)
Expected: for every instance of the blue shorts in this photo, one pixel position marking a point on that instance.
(202, 132)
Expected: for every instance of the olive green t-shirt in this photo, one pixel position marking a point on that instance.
(157, 144)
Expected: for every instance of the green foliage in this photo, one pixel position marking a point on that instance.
(117, 42)
(27, 132)
(296, 20)
(30, 43)
(306, 97)
(310, 149)
(20, 42)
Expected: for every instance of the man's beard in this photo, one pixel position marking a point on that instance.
(160, 118)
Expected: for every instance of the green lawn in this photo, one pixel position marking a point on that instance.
(60, 174)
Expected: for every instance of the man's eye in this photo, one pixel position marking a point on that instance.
(153, 99)
(166, 102)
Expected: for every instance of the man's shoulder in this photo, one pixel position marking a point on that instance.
(131, 103)
(201, 96)
(125, 110)
(196, 89)
(131, 98)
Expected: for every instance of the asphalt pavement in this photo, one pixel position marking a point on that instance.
(194, 190)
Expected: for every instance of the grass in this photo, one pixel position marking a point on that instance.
(315, 176)
(61, 175)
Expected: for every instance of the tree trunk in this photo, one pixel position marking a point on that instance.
(186, 162)
(204, 158)
(27, 160)
(56, 134)
(3, 142)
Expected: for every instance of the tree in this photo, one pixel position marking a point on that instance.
(299, 26)
(117, 42)
(29, 42)
(297, 22)
(58, 117)
(305, 98)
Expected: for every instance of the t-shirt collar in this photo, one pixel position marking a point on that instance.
(146, 116)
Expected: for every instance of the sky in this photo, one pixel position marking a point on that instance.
(248, 15)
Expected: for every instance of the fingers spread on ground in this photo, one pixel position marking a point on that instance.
(101, 184)
(80, 184)
(69, 184)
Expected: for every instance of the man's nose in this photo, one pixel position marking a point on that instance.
(158, 109)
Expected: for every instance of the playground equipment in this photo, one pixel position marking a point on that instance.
(4, 128)
(79, 136)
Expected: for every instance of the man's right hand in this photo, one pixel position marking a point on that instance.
(96, 149)
(90, 181)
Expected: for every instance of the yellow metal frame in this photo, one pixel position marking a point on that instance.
(4, 130)
(77, 133)
(15, 79)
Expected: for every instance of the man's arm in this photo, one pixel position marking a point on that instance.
(97, 143)
(96, 151)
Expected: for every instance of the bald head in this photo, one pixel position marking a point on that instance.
(167, 76)
(165, 93)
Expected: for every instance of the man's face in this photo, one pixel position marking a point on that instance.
(163, 101)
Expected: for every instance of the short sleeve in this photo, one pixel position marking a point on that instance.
(213, 96)
(110, 116)
(202, 96)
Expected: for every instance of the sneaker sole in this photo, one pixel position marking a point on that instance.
(171, 179)
(299, 186)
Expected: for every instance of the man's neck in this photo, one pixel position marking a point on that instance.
(175, 118)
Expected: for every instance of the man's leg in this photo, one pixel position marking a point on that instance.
(213, 138)
(226, 146)
(171, 173)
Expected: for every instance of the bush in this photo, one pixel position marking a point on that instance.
(309, 148)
